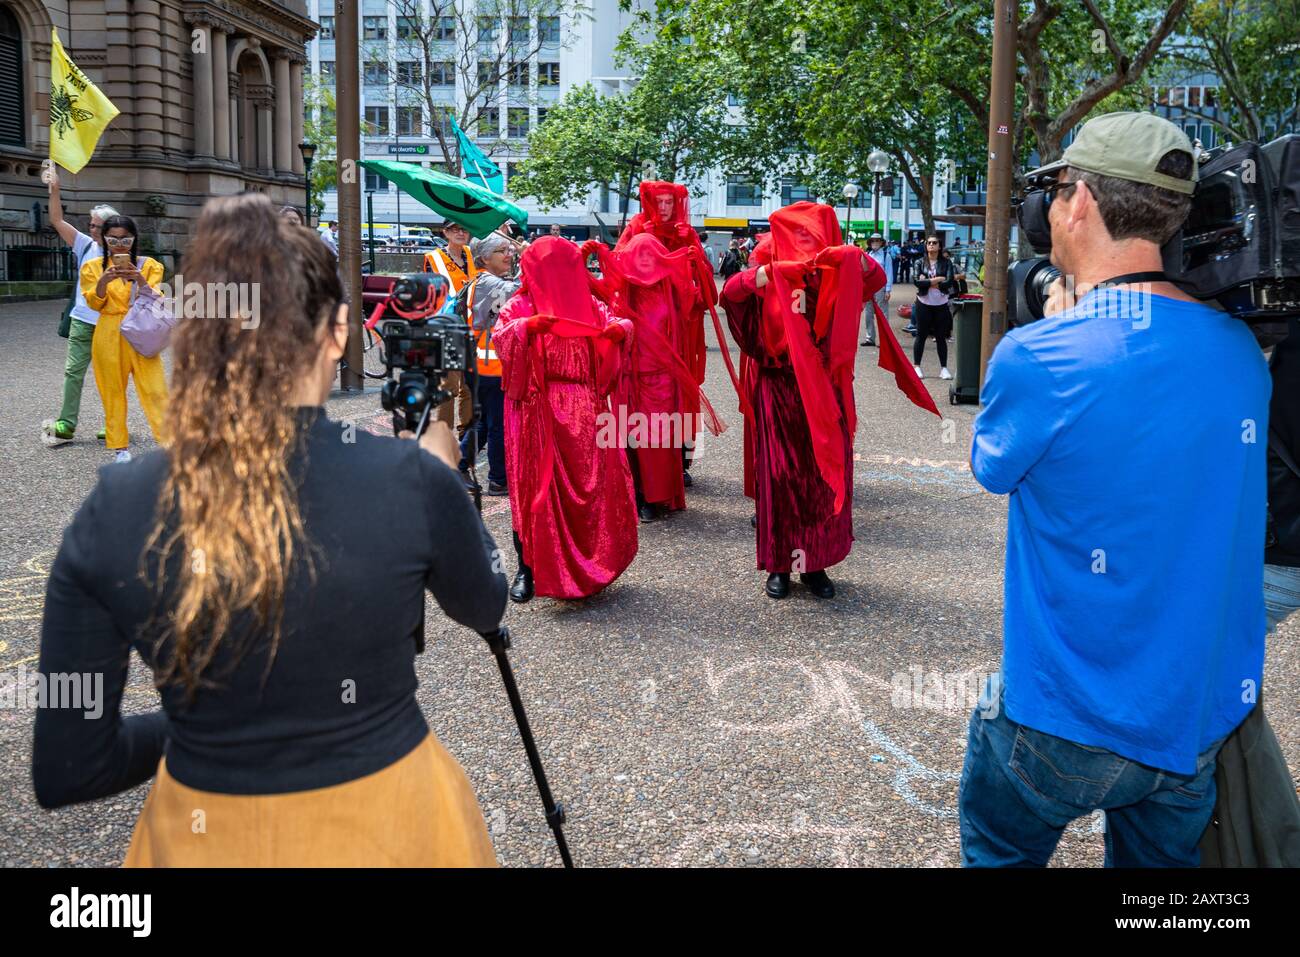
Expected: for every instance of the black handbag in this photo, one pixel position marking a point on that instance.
(65, 320)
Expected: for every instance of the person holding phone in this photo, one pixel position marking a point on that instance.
(110, 285)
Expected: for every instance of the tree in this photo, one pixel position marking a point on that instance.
(1253, 47)
(453, 57)
(671, 125)
(319, 127)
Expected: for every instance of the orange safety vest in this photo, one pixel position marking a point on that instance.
(488, 361)
(440, 262)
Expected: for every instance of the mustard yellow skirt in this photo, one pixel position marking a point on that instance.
(417, 812)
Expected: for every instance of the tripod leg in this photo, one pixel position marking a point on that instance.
(498, 641)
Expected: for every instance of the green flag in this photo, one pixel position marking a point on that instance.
(477, 209)
(474, 163)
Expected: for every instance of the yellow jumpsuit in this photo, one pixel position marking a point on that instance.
(113, 359)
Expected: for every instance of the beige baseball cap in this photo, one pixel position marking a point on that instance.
(1127, 146)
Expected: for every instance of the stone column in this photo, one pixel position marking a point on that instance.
(266, 130)
(221, 94)
(204, 113)
(297, 106)
(237, 110)
(147, 78)
(284, 110)
(118, 83)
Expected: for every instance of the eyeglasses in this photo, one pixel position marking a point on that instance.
(1050, 190)
(931, 243)
(119, 242)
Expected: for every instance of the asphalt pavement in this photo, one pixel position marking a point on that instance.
(684, 717)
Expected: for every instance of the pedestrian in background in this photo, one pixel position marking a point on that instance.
(877, 250)
(935, 284)
(81, 329)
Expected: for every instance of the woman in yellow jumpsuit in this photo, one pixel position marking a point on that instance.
(107, 287)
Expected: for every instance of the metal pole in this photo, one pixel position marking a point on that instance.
(997, 209)
(875, 208)
(348, 152)
(307, 175)
(397, 136)
(370, 218)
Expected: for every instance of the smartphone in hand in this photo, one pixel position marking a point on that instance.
(121, 260)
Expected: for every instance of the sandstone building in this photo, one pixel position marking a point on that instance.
(210, 93)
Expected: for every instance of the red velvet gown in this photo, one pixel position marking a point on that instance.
(583, 532)
(798, 528)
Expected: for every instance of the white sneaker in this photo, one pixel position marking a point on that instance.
(944, 373)
(123, 455)
(919, 373)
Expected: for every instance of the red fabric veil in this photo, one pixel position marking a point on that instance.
(805, 249)
(643, 261)
(675, 232)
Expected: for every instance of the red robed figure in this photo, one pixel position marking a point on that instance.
(659, 395)
(571, 497)
(800, 332)
(665, 214)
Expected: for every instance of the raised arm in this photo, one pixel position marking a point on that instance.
(67, 232)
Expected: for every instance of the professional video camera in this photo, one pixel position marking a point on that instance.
(1240, 246)
(423, 345)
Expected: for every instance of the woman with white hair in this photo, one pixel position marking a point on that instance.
(81, 328)
(487, 292)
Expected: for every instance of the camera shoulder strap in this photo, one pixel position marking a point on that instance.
(1156, 275)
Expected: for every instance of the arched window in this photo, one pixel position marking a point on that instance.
(13, 117)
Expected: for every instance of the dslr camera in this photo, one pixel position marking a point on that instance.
(1240, 246)
(421, 346)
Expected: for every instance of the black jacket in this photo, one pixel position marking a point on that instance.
(943, 268)
(387, 521)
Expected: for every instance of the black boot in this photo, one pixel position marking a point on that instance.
(687, 480)
(819, 583)
(646, 512)
(521, 590)
(753, 521)
(778, 584)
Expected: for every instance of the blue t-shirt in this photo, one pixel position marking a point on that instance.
(1131, 436)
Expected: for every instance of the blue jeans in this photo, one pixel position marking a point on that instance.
(1021, 787)
(491, 429)
(1281, 593)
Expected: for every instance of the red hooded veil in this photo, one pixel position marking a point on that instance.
(676, 234)
(644, 263)
(805, 252)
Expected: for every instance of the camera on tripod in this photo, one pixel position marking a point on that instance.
(423, 345)
(1240, 245)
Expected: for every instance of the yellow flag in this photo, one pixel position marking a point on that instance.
(78, 112)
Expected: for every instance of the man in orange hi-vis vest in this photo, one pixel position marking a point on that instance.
(490, 289)
(456, 263)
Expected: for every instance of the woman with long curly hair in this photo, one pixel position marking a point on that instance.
(283, 656)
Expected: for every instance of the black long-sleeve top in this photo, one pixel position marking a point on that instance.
(385, 519)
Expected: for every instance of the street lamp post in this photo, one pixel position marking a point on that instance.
(850, 194)
(308, 151)
(878, 163)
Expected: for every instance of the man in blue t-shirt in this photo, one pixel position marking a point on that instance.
(1129, 429)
